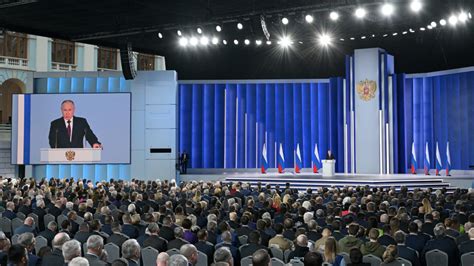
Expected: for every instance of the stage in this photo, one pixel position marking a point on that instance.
(307, 179)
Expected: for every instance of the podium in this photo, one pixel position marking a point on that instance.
(70, 155)
(329, 167)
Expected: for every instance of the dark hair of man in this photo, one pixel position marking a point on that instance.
(202, 234)
(187, 223)
(313, 259)
(16, 253)
(412, 227)
(244, 220)
(260, 258)
(356, 256)
(278, 228)
(353, 229)
(254, 237)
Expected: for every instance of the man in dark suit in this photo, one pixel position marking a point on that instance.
(404, 251)
(415, 239)
(50, 232)
(128, 229)
(83, 233)
(252, 246)
(117, 237)
(166, 231)
(27, 227)
(227, 242)
(40, 212)
(154, 240)
(204, 246)
(467, 246)
(27, 240)
(95, 247)
(244, 230)
(428, 225)
(69, 130)
(301, 248)
(178, 242)
(17, 255)
(10, 211)
(56, 256)
(131, 252)
(184, 162)
(443, 243)
(329, 155)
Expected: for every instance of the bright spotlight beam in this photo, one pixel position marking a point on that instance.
(387, 9)
(416, 6)
(325, 40)
(285, 41)
(360, 13)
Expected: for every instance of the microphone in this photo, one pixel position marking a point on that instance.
(56, 139)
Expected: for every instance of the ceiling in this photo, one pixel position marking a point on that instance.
(113, 23)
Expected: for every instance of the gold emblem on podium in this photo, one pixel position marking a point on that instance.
(70, 155)
(366, 89)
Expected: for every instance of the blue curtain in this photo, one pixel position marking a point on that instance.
(436, 109)
(225, 125)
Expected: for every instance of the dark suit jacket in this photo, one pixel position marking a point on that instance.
(176, 243)
(130, 231)
(117, 239)
(33, 260)
(41, 213)
(58, 137)
(25, 229)
(55, 258)
(82, 236)
(49, 235)
(408, 254)
(206, 248)
(416, 242)
(466, 246)
(167, 233)
(249, 249)
(132, 263)
(445, 244)
(9, 214)
(94, 260)
(157, 243)
(243, 230)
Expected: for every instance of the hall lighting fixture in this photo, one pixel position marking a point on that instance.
(415, 6)
(193, 41)
(405, 32)
(342, 39)
(285, 21)
(387, 9)
(334, 16)
(285, 41)
(309, 18)
(247, 41)
(240, 26)
(160, 35)
(183, 41)
(411, 30)
(363, 37)
(199, 30)
(373, 35)
(269, 42)
(215, 41)
(385, 35)
(429, 27)
(224, 42)
(360, 13)
(422, 29)
(218, 28)
(258, 42)
(462, 17)
(236, 42)
(179, 33)
(352, 38)
(395, 34)
(442, 22)
(204, 40)
(325, 40)
(469, 15)
(433, 24)
(453, 20)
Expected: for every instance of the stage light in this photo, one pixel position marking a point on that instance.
(395, 34)
(215, 40)
(352, 38)
(469, 15)
(405, 32)
(422, 29)
(285, 41)
(218, 28)
(334, 16)
(387, 9)
(342, 39)
(453, 20)
(415, 6)
(429, 27)
(433, 24)
(183, 41)
(204, 41)
(224, 42)
(247, 41)
(240, 26)
(199, 30)
(160, 35)
(411, 30)
(236, 42)
(269, 42)
(462, 17)
(258, 42)
(360, 13)
(325, 40)
(285, 21)
(179, 33)
(363, 37)
(309, 18)
(193, 41)
(373, 35)
(442, 22)
(385, 35)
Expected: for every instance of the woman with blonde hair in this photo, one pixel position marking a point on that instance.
(390, 256)
(426, 206)
(276, 202)
(330, 253)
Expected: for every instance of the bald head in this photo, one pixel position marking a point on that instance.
(29, 221)
(302, 240)
(60, 239)
(162, 259)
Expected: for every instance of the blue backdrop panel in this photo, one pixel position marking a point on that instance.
(434, 109)
(234, 120)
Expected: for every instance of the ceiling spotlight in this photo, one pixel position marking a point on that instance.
(360, 13)
(179, 33)
(309, 18)
(405, 32)
(385, 35)
(247, 41)
(462, 16)
(395, 34)
(433, 24)
(411, 30)
(193, 41)
(442, 22)
(183, 41)
(285, 21)
(218, 28)
(258, 42)
(352, 38)
(334, 16)
(469, 15)
(199, 30)
(204, 40)
(453, 20)
(373, 35)
(387, 9)
(236, 42)
(363, 37)
(422, 29)
(269, 42)
(224, 42)
(285, 41)
(240, 26)
(429, 27)
(160, 35)
(215, 41)
(415, 6)
(342, 39)
(325, 40)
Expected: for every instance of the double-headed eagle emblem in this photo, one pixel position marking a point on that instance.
(366, 89)
(70, 155)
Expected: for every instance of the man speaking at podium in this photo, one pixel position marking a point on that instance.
(69, 130)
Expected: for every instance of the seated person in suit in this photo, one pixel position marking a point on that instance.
(356, 258)
(467, 246)
(17, 255)
(68, 131)
(131, 252)
(190, 252)
(95, 250)
(27, 240)
(261, 258)
(404, 251)
(313, 259)
(223, 254)
(443, 243)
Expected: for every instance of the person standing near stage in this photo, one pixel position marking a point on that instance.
(184, 162)
(329, 155)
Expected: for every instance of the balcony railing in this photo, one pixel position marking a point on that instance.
(63, 67)
(105, 69)
(13, 62)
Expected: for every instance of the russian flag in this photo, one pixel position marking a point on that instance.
(316, 160)
(281, 160)
(414, 164)
(438, 160)
(448, 160)
(427, 160)
(264, 166)
(298, 164)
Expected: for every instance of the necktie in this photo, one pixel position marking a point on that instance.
(69, 129)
